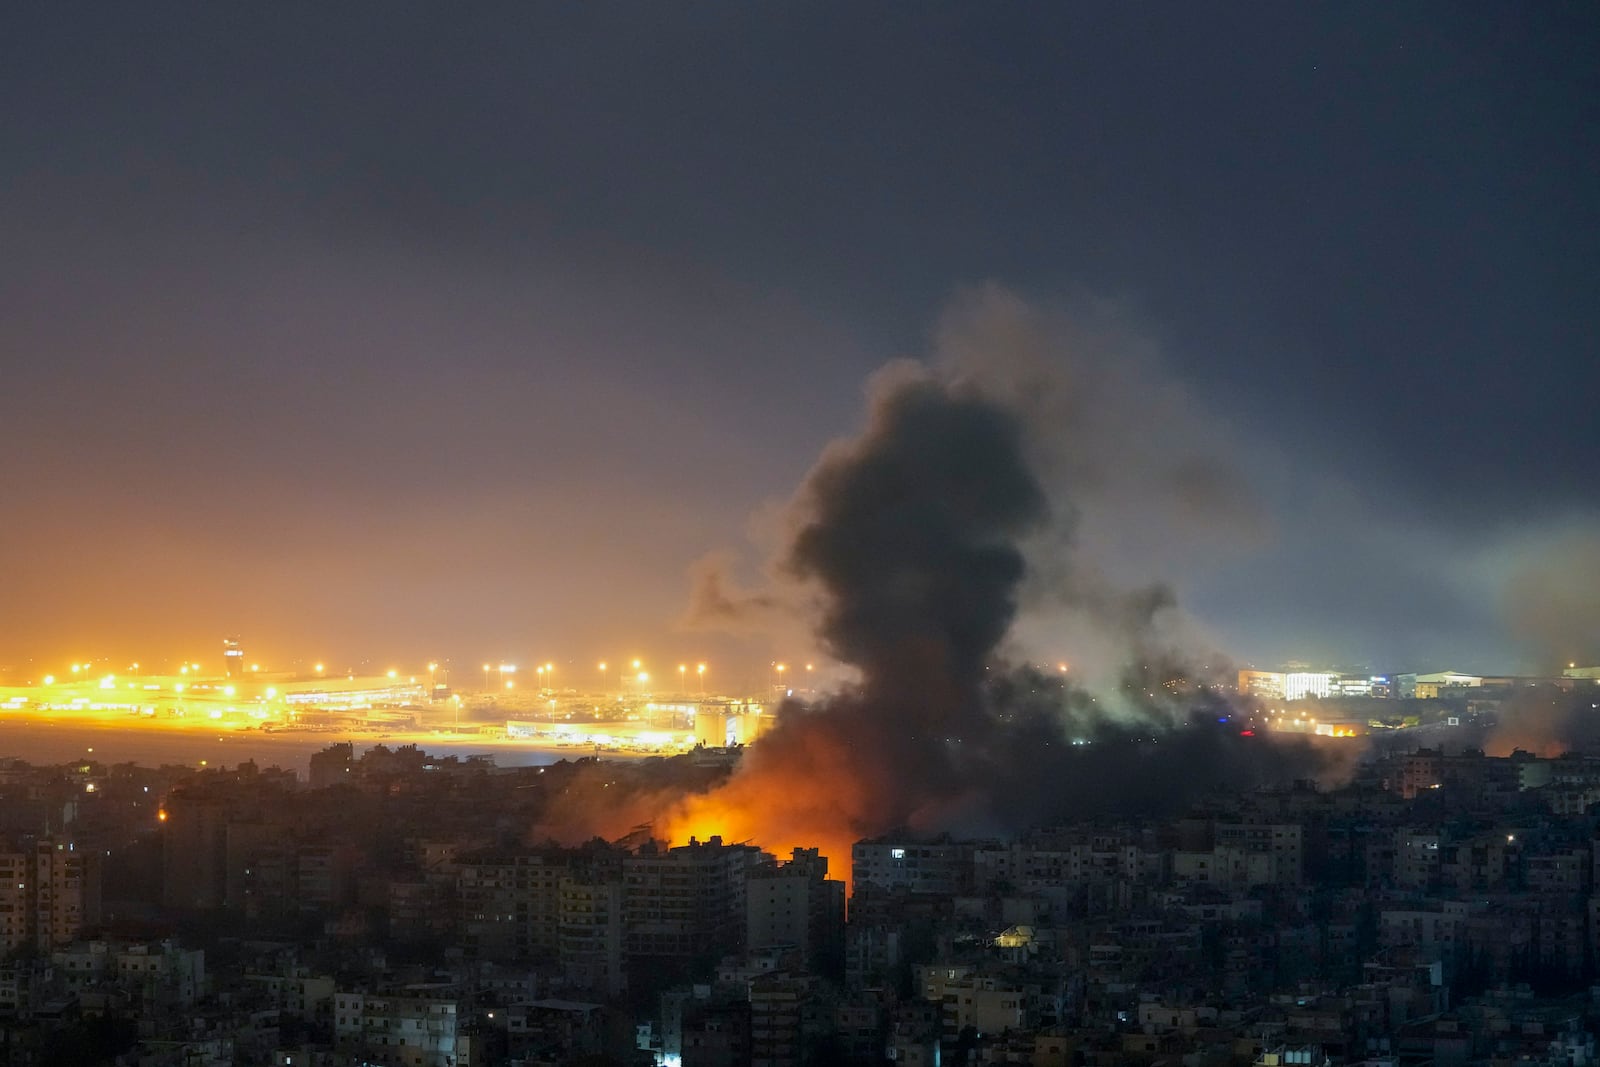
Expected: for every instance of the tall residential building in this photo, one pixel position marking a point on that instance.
(332, 765)
(591, 937)
(796, 905)
(686, 904)
(939, 867)
(49, 891)
(194, 842)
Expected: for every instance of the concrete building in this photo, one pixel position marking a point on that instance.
(1431, 686)
(49, 891)
(1298, 685)
(1263, 685)
(591, 934)
(399, 1031)
(510, 903)
(938, 867)
(687, 903)
(786, 1016)
(796, 905)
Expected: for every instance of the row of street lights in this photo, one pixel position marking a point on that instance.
(547, 671)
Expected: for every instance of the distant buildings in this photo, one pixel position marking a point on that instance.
(1304, 684)
(49, 891)
(1299, 684)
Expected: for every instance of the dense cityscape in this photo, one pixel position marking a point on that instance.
(641, 534)
(1428, 902)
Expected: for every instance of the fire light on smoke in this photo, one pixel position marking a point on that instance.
(908, 539)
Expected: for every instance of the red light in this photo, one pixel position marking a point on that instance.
(1247, 733)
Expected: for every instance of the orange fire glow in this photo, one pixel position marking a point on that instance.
(801, 788)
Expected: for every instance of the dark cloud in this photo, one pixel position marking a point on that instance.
(912, 535)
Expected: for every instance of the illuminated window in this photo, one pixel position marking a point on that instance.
(897, 853)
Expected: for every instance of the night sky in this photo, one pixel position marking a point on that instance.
(408, 331)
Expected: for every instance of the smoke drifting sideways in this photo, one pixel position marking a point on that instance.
(1547, 721)
(912, 539)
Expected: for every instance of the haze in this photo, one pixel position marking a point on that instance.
(465, 334)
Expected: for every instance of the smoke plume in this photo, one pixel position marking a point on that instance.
(1552, 600)
(915, 541)
(1547, 720)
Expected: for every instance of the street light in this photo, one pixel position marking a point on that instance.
(683, 678)
(485, 677)
(701, 671)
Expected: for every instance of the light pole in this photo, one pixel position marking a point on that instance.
(433, 667)
(701, 671)
(683, 678)
(485, 677)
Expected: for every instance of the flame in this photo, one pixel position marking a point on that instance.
(798, 788)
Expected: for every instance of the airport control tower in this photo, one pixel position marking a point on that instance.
(233, 657)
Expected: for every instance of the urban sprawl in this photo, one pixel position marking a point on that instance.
(1439, 904)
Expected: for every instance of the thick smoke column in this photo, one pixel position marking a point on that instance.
(911, 534)
(912, 543)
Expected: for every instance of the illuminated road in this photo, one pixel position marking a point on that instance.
(39, 740)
